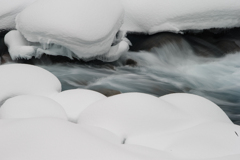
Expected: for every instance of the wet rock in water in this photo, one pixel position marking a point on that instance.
(107, 92)
(5, 58)
(203, 47)
(147, 42)
(227, 46)
(131, 62)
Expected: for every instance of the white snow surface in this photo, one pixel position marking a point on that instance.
(31, 106)
(85, 29)
(9, 10)
(76, 100)
(151, 16)
(22, 79)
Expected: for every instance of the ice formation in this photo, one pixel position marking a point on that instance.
(22, 79)
(151, 16)
(31, 106)
(85, 29)
(76, 100)
(9, 11)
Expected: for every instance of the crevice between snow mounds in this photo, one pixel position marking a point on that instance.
(78, 29)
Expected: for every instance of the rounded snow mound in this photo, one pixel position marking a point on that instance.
(20, 79)
(83, 28)
(30, 106)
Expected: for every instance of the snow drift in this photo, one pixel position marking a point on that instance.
(151, 16)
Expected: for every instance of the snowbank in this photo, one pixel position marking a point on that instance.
(131, 126)
(29, 106)
(197, 106)
(20, 79)
(151, 16)
(76, 100)
(9, 10)
(86, 29)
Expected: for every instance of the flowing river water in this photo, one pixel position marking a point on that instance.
(170, 68)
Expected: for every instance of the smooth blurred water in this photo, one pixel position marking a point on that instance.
(169, 69)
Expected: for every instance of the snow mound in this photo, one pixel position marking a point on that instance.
(85, 29)
(18, 46)
(136, 113)
(151, 16)
(30, 106)
(76, 100)
(197, 106)
(9, 11)
(20, 79)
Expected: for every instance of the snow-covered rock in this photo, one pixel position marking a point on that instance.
(197, 106)
(76, 100)
(151, 16)
(9, 10)
(131, 114)
(84, 29)
(20, 79)
(30, 106)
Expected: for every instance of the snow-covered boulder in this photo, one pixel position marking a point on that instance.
(85, 29)
(151, 16)
(30, 106)
(20, 79)
(131, 114)
(76, 100)
(197, 106)
(9, 10)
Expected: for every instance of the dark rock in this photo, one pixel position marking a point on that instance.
(131, 62)
(203, 47)
(227, 46)
(5, 58)
(107, 92)
(147, 42)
